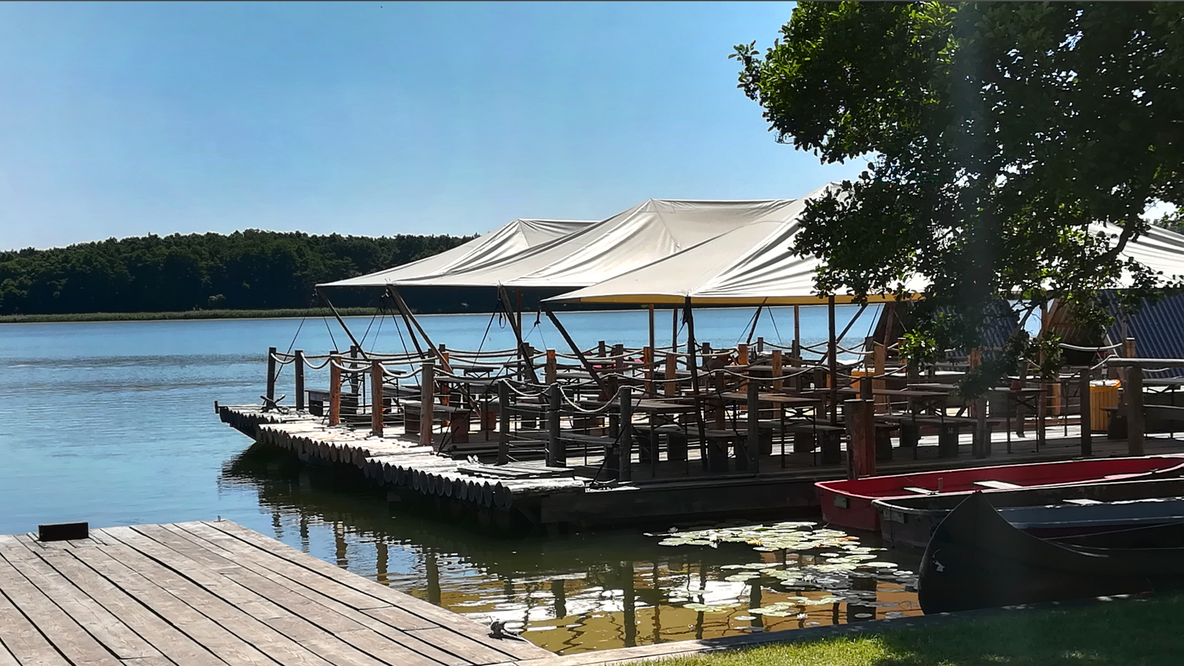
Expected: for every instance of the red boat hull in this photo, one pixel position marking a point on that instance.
(849, 503)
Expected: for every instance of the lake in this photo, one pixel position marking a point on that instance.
(113, 423)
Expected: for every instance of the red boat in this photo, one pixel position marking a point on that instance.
(849, 503)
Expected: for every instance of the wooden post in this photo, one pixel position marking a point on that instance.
(601, 350)
(270, 373)
(298, 371)
(797, 331)
(1135, 427)
(626, 434)
(879, 367)
(775, 361)
(376, 398)
(445, 389)
(754, 432)
(334, 389)
(551, 370)
(981, 442)
(555, 452)
(742, 354)
(674, 330)
(832, 353)
(671, 374)
(503, 423)
(427, 399)
(860, 416)
(647, 357)
(1087, 444)
(353, 375)
(760, 343)
(653, 341)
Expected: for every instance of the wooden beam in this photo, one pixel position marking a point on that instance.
(626, 434)
(427, 399)
(376, 398)
(1087, 445)
(516, 324)
(334, 389)
(337, 316)
(271, 374)
(503, 422)
(693, 365)
(575, 350)
(1135, 426)
(298, 371)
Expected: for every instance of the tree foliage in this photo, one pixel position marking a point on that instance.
(244, 270)
(996, 133)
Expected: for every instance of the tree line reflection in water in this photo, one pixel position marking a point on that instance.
(570, 594)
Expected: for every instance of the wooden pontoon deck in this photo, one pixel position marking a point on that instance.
(216, 593)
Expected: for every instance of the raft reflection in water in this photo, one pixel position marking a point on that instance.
(582, 592)
(976, 559)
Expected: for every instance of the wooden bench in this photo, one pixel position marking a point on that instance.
(458, 418)
(318, 402)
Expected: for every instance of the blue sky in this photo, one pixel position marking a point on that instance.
(374, 118)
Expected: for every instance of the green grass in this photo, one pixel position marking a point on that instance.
(1129, 632)
(190, 314)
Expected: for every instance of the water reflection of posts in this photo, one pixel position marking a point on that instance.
(339, 542)
(754, 601)
(559, 593)
(432, 569)
(630, 601)
(382, 557)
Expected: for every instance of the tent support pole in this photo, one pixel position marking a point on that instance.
(755, 319)
(797, 329)
(517, 326)
(653, 342)
(405, 313)
(435, 350)
(575, 349)
(847, 328)
(341, 321)
(832, 345)
(674, 330)
(694, 368)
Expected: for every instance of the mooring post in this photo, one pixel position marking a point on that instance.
(1135, 427)
(647, 358)
(760, 344)
(555, 452)
(671, 374)
(298, 372)
(270, 374)
(626, 434)
(503, 423)
(1087, 443)
(353, 374)
(552, 368)
(334, 389)
(775, 361)
(860, 416)
(427, 399)
(376, 398)
(754, 435)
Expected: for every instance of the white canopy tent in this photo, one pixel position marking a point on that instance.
(653, 230)
(491, 248)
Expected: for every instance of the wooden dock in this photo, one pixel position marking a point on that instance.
(217, 594)
(529, 494)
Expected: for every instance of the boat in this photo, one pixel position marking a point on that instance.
(848, 503)
(976, 559)
(1046, 511)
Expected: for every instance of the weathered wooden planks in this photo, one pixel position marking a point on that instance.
(212, 594)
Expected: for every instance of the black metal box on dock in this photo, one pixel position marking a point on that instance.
(63, 531)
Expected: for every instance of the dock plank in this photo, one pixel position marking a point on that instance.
(295, 621)
(26, 643)
(216, 594)
(463, 626)
(66, 635)
(98, 621)
(172, 642)
(161, 601)
(211, 602)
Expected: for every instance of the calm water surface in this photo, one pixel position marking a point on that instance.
(113, 423)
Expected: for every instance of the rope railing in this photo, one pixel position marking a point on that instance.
(1065, 345)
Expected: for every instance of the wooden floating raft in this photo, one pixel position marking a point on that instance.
(399, 463)
(216, 593)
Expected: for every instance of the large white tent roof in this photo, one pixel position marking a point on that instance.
(754, 265)
(495, 246)
(631, 239)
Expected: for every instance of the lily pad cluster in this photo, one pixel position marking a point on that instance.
(813, 559)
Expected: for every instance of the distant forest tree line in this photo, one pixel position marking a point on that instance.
(245, 270)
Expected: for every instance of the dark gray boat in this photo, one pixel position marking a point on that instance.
(1047, 511)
